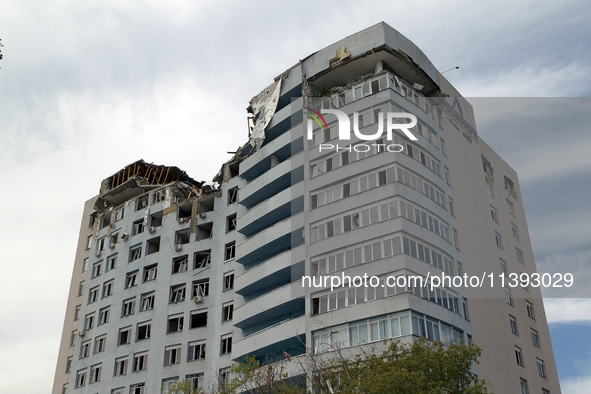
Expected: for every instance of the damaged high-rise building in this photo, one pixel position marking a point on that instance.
(175, 279)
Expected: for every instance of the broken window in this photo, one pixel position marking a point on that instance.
(206, 205)
(150, 272)
(159, 196)
(114, 240)
(93, 295)
(111, 262)
(128, 307)
(232, 195)
(104, 315)
(153, 245)
(196, 351)
(198, 319)
(231, 223)
(121, 366)
(139, 388)
(141, 202)
(138, 227)
(155, 221)
(85, 264)
(89, 321)
(100, 245)
(226, 346)
(204, 231)
(118, 215)
(182, 237)
(81, 378)
(143, 331)
(85, 349)
(175, 324)
(131, 279)
(88, 242)
(92, 219)
(147, 301)
(124, 336)
(184, 213)
(135, 253)
(228, 281)
(179, 264)
(201, 288)
(105, 220)
(172, 355)
(95, 373)
(230, 251)
(509, 185)
(227, 312)
(177, 293)
(202, 259)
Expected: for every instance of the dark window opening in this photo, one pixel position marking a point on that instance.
(180, 264)
(184, 213)
(231, 223)
(202, 259)
(182, 237)
(153, 245)
(232, 195)
(230, 251)
(198, 320)
(204, 231)
(206, 205)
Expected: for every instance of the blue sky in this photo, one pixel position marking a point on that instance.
(169, 82)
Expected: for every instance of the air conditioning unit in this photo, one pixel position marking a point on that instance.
(202, 215)
(98, 253)
(124, 236)
(151, 229)
(81, 333)
(112, 245)
(178, 247)
(198, 299)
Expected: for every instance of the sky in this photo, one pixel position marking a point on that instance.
(89, 87)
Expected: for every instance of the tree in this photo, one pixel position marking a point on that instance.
(182, 387)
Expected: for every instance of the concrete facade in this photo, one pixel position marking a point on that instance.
(300, 210)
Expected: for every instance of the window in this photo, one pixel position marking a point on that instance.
(201, 288)
(451, 207)
(143, 331)
(202, 259)
(513, 325)
(530, 309)
(89, 321)
(96, 269)
(93, 294)
(68, 364)
(175, 324)
(140, 362)
(510, 208)
(489, 189)
(179, 264)
(139, 388)
(131, 279)
(81, 288)
(524, 388)
(232, 195)
(509, 184)
(85, 264)
(196, 351)
(153, 246)
(88, 242)
(182, 237)
(111, 262)
(121, 366)
(77, 313)
(128, 307)
(231, 223)
(99, 344)
(172, 355)
(118, 215)
(465, 305)
(198, 319)
(541, 367)
(228, 281)
(95, 373)
(226, 345)
(498, 240)
(204, 231)
(135, 253)
(73, 337)
(520, 259)
(230, 251)
(535, 338)
(150, 272)
(503, 267)
(155, 221)
(518, 356)
(227, 312)
(493, 214)
(147, 301)
(108, 288)
(104, 315)
(81, 378)
(224, 376)
(124, 336)
(515, 231)
(508, 297)
(85, 349)
(177, 293)
(138, 227)
(184, 213)
(544, 391)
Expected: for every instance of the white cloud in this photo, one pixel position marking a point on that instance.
(568, 310)
(581, 385)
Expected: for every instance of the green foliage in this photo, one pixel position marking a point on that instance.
(320, 91)
(182, 387)
(420, 368)
(254, 378)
